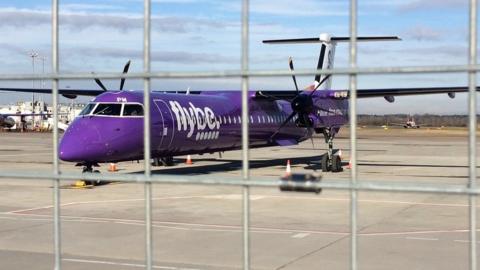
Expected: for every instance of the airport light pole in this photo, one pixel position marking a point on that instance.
(44, 58)
(33, 54)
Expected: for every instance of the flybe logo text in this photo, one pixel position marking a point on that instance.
(191, 118)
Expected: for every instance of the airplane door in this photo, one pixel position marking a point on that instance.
(167, 128)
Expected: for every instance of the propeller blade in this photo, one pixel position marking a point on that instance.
(125, 70)
(283, 124)
(290, 63)
(100, 83)
(324, 80)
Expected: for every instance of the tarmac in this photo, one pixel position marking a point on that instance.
(200, 227)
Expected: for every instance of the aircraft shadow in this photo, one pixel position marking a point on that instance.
(233, 165)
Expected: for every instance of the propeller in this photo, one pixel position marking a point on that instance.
(125, 70)
(290, 63)
(302, 104)
(122, 81)
(97, 80)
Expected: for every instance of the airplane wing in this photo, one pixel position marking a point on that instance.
(68, 93)
(387, 93)
(275, 94)
(30, 114)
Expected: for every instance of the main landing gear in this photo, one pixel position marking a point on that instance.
(163, 161)
(330, 162)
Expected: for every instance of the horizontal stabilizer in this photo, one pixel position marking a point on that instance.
(327, 38)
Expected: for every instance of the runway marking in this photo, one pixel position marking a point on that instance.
(11, 218)
(234, 197)
(237, 196)
(300, 235)
(464, 241)
(104, 201)
(235, 228)
(422, 238)
(126, 264)
(371, 201)
(25, 154)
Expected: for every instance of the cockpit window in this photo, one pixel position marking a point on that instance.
(108, 109)
(87, 109)
(133, 110)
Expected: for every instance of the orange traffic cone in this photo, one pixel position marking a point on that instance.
(112, 167)
(288, 170)
(189, 160)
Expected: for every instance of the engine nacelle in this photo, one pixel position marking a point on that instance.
(390, 99)
(451, 95)
(7, 122)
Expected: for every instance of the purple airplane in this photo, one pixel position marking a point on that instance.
(110, 128)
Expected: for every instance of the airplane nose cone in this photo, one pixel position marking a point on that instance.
(81, 143)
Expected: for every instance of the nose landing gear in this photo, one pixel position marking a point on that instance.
(330, 161)
(88, 168)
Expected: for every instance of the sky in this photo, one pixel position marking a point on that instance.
(204, 35)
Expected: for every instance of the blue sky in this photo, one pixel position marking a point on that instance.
(197, 35)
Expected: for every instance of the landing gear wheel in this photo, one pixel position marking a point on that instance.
(336, 164)
(325, 163)
(167, 161)
(156, 162)
(89, 169)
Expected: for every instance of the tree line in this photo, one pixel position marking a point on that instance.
(420, 119)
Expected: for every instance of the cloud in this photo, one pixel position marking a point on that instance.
(21, 18)
(289, 8)
(432, 4)
(423, 33)
(179, 57)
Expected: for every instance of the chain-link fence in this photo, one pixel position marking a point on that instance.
(354, 186)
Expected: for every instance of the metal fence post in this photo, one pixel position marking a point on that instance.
(245, 136)
(353, 135)
(472, 130)
(56, 181)
(146, 137)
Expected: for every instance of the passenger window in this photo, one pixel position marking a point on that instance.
(133, 110)
(87, 109)
(108, 109)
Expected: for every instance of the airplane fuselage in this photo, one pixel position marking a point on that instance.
(111, 127)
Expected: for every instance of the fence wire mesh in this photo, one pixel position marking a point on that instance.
(245, 181)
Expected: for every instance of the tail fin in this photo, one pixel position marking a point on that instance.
(327, 50)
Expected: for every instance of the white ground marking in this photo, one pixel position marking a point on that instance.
(12, 218)
(300, 235)
(103, 201)
(126, 264)
(422, 238)
(25, 154)
(226, 228)
(369, 201)
(464, 241)
(238, 197)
